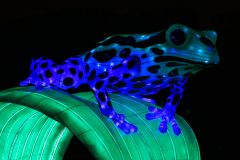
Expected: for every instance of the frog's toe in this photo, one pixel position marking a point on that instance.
(126, 127)
(132, 128)
(175, 127)
(163, 126)
(122, 124)
(154, 113)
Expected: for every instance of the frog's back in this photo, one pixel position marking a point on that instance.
(161, 62)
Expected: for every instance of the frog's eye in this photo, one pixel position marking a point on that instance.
(178, 37)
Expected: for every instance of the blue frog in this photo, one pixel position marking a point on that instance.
(135, 65)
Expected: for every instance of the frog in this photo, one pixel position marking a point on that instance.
(136, 65)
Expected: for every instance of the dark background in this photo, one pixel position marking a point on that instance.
(59, 30)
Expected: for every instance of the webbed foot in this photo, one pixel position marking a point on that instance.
(167, 116)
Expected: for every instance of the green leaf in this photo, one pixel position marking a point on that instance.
(37, 124)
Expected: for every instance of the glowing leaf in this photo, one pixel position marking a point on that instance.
(37, 123)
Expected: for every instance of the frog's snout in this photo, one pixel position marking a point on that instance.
(217, 59)
(209, 39)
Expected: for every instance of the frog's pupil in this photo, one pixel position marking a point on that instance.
(178, 37)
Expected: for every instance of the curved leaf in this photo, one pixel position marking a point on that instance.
(80, 114)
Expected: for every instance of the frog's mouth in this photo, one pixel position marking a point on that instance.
(184, 60)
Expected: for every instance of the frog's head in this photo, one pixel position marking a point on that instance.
(191, 45)
(188, 50)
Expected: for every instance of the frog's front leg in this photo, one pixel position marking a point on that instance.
(107, 110)
(167, 114)
(131, 65)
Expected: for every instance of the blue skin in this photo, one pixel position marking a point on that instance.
(136, 65)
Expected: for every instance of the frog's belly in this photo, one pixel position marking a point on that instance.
(151, 86)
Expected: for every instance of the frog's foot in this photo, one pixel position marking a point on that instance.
(121, 123)
(167, 116)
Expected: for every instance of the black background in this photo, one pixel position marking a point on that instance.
(59, 30)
